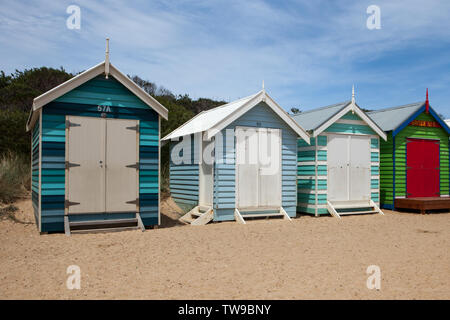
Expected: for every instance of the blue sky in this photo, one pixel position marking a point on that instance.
(309, 53)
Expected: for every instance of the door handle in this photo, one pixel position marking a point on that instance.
(100, 162)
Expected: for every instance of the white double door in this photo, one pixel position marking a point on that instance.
(258, 167)
(101, 174)
(348, 168)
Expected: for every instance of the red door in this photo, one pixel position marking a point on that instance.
(422, 168)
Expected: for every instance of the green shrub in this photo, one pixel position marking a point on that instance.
(15, 177)
(13, 135)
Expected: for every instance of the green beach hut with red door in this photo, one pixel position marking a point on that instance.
(414, 161)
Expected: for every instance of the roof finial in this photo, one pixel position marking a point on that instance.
(107, 58)
(353, 93)
(427, 103)
(263, 85)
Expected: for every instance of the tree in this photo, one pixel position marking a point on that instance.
(295, 110)
(18, 90)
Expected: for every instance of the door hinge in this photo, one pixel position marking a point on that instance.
(71, 164)
(136, 202)
(68, 203)
(135, 128)
(72, 124)
(135, 166)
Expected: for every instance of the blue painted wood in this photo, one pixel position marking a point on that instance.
(310, 170)
(184, 176)
(84, 101)
(259, 116)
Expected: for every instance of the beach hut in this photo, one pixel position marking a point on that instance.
(95, 153)
(236, 161)
(339, 173)
(415, 158)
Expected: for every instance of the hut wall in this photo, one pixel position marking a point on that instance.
(387, 173)
(96, 98)
(224, 171)
(184, 177)
(313, 175)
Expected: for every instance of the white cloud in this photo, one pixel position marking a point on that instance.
(309, 53)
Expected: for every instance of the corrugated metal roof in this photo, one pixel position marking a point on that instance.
(207, 119)
(312, 119)
(391, 118)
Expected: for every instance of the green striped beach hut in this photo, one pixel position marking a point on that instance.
(414, 160)
(95, 153)
(339, 172)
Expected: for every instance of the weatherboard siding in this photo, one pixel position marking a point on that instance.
(311, 174)
(184, 177)
(224, 186)
(388, 152)
(35, 165)
(54, 139)
(387, 171)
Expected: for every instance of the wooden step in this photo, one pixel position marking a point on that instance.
(352, 206)
(102, 224)
(260, 209)
(84, 231)
(203, 208)
(261, 215)
(355, 212)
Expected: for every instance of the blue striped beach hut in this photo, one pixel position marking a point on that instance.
(236, 161)
(339, 172)
(96, 153)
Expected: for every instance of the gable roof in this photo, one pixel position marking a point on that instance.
(87, 75)
(318, 120)
(214, 120)
(312, 119)
(391, 118)
(396, 118)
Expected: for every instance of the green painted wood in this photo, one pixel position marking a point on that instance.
(350, 128)
(387, 156)
(400, 153)
(350, 116)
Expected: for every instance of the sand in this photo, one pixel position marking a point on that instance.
(308, 258)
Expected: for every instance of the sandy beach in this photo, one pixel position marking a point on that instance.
(307, 258)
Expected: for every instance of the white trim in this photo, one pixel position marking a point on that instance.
(159, 171)
(310, 191)
(40, 171)
(305, 177)
(374, 164)
(349, 107)
(316, 192)
(374, 191)
(139, 92)
(371, 136)
(87, 75)
(349, 121)
(375, 150)
(312, 163)
(374, 177)
(138, 159)
(262, 96)
(308, 205)
(325, 177)
(312, 148)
